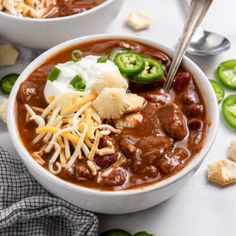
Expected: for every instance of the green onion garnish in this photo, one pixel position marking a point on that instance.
(76, 55)
(54, 74)
(78, 83)
(102, 59)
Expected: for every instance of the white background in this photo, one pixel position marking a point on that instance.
(199, 209)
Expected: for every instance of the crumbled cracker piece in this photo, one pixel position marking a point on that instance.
(3, 110)
(109, 80)
(129, 121)
(232, 151)
(110, 103)
(222, 172)
(139, 20)
(8, 55)
(135, 103)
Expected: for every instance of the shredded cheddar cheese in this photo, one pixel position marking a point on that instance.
(79, 104)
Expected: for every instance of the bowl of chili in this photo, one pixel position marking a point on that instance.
(128, 197)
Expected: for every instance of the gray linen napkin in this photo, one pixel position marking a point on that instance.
(26, 209)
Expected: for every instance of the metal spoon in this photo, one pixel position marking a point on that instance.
(197, 11)
(208, 44)
(205, 43)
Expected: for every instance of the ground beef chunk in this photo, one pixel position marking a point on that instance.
(173, 159)
(82, 172)
(154, 147)
(127, 145)
(172, 121)
(116, 178)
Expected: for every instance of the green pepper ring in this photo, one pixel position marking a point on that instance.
(7, 82)
(129, 63)
(145, 76)
(218, 89)
(229, 117)
(226, 65)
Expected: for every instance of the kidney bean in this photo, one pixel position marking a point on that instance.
(151, 172)
(194, 110)
(161, 99)
(189, 97)
(182, 81)
(105, 161)
(195, 124)
(115, 178)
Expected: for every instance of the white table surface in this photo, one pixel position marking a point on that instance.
(199, 209)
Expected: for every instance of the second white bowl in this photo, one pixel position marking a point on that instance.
(46, 33)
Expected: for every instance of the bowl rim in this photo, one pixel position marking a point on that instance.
(57, 19)
(32, 165)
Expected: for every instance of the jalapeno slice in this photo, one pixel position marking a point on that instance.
(143, 233)
(229, 110)
(7, 82)
(129, 63)
(115, 232)
(218, 89)
(226, 73)
(152, 72)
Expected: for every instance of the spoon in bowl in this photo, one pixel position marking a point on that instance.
(196, 13)
(205, 43)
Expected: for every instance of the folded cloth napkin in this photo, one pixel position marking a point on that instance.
(28, 209)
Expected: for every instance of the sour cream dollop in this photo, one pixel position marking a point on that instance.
(89, 70)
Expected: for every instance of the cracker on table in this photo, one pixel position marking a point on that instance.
(222, 172)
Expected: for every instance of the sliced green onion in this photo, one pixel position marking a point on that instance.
(102, 59)
(54, 74)
(78, 83)
(76, 55)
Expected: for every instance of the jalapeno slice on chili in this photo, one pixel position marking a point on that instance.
(115, 232)
(115, 52)
(226, 73)
(229, 110)
(218, 89)
(7, 82)
(152, 72)
(129, 63)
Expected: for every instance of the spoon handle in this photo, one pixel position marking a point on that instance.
(197, 11)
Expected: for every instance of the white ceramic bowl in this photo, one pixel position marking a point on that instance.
(124, 201)
(46, 33)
